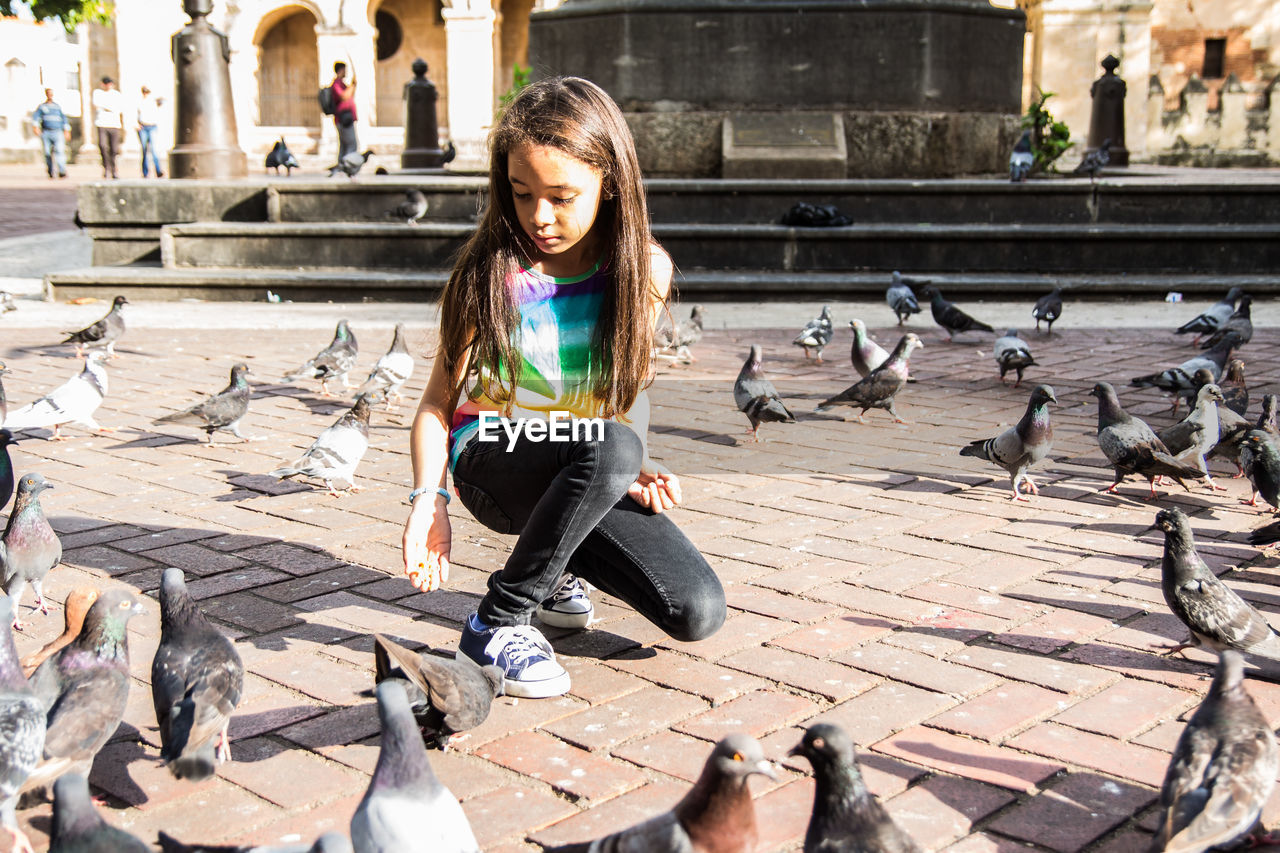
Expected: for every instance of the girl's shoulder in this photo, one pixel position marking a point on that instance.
(661, 269)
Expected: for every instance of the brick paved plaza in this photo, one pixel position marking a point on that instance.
(992, 660)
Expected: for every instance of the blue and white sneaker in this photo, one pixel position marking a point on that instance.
(568, 606)
(522, 653)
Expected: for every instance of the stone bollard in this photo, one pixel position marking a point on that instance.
(1107, 119)
(421, 130)
(205, 144)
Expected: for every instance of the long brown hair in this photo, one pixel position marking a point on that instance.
(479, 315)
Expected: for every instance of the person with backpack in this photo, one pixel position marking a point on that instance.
(343, 103)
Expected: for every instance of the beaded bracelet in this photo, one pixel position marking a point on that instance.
(413, 495)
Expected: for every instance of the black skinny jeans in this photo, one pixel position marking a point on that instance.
(569, 503)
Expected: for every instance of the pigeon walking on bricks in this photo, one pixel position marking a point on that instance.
(1178, 380)
(84, 689)
(1222, 771)
(413, 208)
(21, 729)
(30, 547)
(6, 467)
(1239, 324)
(103, 333)
(333, 362)
(1231, 432)
(78, 602)
(1021, 445)
(756, 397)
(1235, 393)
(280, 155)
(77, 826)
(846, 816)
(221, 411)
(865, 353)
(1012, 353)
(683, 335)
(1235, 429)
(72, 402)
(196, 681)
(949, 317)
(1048, 309)
(456, 694)
(336, 452)
(1211, 319)
(406, 809)
(901, 298)
(1132, 447)
(330, 842)
(392, 370)
(1198, 433)
(878, 389)
(717, 814)
(1260, 459)
(351, 164)
(1022, 159)
(816, 334)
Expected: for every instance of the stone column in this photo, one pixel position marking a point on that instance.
(469, 30)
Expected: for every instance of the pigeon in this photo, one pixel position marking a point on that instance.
(949, 317)
(222, 411)
(1131, 446)
(1021, 445)
(1012, 353)
(756, 397)
(406, 809)
(413, 208)
(901, 298)
(6, 302)
(391, 371)
(103, 333)
(1236, 429)
(1022, 159)
(74, 401)
(450, 152)
(866, 354)
(29, 548)
(1231, 432)
(1240, 324)
(6, 467)
(1208, 321)
(878, 388)
(280, 155)
(333, 362)
(1268, 534)
(1094, 161)
(685, 334)
(816, 334)
(1048, 308)
(846, 816)
(84, 689)
(456, 693)
(1222, 771)
(1235, 393)
(77, 826)
(351, 163)
(4, 402)
(78, 602)
(196, 681)
(1177, 380)
(717, 814)
(1197, 433)
(1215, 615)
(1260, 458)
(21, 729)
(336, 452)
(330, 842)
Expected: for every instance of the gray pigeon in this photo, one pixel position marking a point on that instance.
(6, 467)
(336, 452)
(1021, 445)
(21, 729)
(413, 208)
(1094, 161)
(816, 334)
(1131, 446)
(84, 689)
(74, 401)
(1178, 380)
(865, 353)
(685, 334)
(1239, 324)
(877, 389)
(1215, 615)
(456, 694)
(1260, 459)
(1022, 159)
(350, 164)
(846, 816)
(1222, 771)
(1208, 321)
(756, 397)
(1012, 353)
(330, 842)
(406, 809)
(333, 362)
(717, 814)
(196, 681)
(392, 370)
(949, 317)
(901, 298)
(30, 547)
(222, 411)
(1048, 309)
(77, 826)
(280, 155)
(1235, 393)
(1198, 433)
(103, 333)
(4, 402)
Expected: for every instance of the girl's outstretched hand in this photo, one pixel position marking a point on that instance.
(655, 487)
(427, 538)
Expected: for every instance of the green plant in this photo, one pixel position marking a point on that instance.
(519, 79)
(69, 13)
(1050, 138)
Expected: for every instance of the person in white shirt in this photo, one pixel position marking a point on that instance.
(108, 118)
(148, 120)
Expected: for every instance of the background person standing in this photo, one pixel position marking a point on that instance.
(344, 110)
(108, 118)
(55, 133)
(148, 121)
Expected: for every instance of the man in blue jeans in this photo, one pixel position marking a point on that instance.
(148, 120)
(55, 133)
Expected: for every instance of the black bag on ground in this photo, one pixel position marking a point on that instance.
(806, 215)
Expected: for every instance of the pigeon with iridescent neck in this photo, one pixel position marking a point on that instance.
(1021, 445)
(392, 370)
(333, 362)
(1132, 447)
(877, 389)
(30, 547)
(756, 397)
(336, 452)
(865, 353)
(1239, 324)
(221, 411)
(21, 729)
(1211, 319)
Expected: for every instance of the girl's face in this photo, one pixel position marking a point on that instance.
(557, 197)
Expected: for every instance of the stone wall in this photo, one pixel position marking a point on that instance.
(1237, 128)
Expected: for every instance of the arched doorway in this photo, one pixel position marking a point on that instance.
(287, 71)
(407, 30)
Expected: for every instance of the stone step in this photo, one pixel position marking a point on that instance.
(1054, 249)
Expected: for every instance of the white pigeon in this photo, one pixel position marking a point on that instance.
(392, 370)
(337, 451)
(74, 401)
